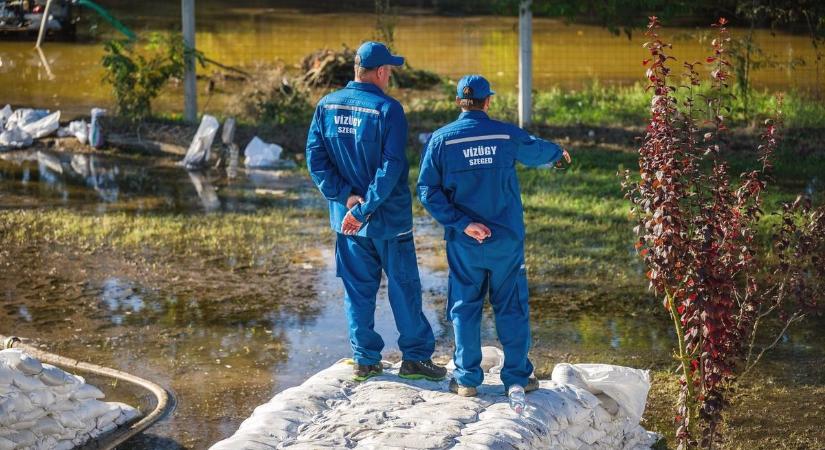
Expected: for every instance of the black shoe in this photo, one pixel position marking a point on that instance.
(464, 391)
(418, 370)
(532, 385)
(361, 373)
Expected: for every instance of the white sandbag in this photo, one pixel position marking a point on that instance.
(43, 127)
(6, 373)
(107, 418)
(5, 115)
(32, 415)
(47, 426)
(198, 153)
(15, 138)
(86, 392)
(96, 139)
(629, 387)
(90, 410)
(330, 411)
(25, 116)
(46, 442)
(18, 359)
(6, 444)
(77, 128)
(127, 413)
(53, 376)
(107, 428)
(261, 154)
(64, 445)
(43, 398)
(68, 419)
(27, 383)
(81, 439)
(22, 438)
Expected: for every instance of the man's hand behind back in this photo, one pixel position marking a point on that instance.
(354, 200)
(478, 231)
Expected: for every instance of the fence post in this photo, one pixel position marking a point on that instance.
(525, 63)
(190, 88)
(44, 24)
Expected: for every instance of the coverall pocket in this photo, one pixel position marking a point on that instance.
(403, 261)
(523, 290)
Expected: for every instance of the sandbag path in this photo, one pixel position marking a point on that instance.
(330, 410)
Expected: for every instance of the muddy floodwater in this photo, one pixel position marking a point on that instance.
(250, 34)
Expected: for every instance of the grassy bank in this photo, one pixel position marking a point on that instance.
(601, 105)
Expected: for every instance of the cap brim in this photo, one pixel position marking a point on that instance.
(396, 60)
(492, 92)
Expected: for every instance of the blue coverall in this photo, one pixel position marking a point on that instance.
(356, 146)
(468, 174)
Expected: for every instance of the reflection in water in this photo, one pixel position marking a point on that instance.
(120, 298)
(209, 198)
(110, 183)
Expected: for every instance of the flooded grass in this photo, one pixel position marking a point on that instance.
(237, 240)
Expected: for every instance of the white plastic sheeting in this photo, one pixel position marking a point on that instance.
(387, 412)
(20, 128)
(260, 154)
(78, 128)
(198, 153)
(43, 407)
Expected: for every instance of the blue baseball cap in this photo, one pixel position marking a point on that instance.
(473, 86)
(376, 54)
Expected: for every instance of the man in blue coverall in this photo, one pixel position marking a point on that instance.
(468, 183)
(355, 155)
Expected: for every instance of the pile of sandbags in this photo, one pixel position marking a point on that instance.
(43, 407)
(20, 128)
(331, 411)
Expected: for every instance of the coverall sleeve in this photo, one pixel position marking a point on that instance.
(431, 191)
(393, 163)
(534, 151)
(321, 166)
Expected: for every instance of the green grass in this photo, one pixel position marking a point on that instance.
(601, 105)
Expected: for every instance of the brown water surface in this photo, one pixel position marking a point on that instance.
(68, 76)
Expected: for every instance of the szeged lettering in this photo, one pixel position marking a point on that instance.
(473, 152)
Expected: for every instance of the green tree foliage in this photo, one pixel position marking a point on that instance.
(137, 73)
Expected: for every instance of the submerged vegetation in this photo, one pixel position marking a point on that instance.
(264, 238)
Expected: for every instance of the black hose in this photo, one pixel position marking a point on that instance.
(165, 401)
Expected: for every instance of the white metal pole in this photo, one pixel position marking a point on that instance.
(44, 22)
(525, 63)
(190, 88)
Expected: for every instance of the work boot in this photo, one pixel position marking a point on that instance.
(418, 370)
(464, 391)
(362, 372)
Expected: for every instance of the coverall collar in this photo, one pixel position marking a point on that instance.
(473, 114)
(364, 87)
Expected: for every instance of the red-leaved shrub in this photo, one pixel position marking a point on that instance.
(697, 234)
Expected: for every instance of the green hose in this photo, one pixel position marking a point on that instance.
(109, 18)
